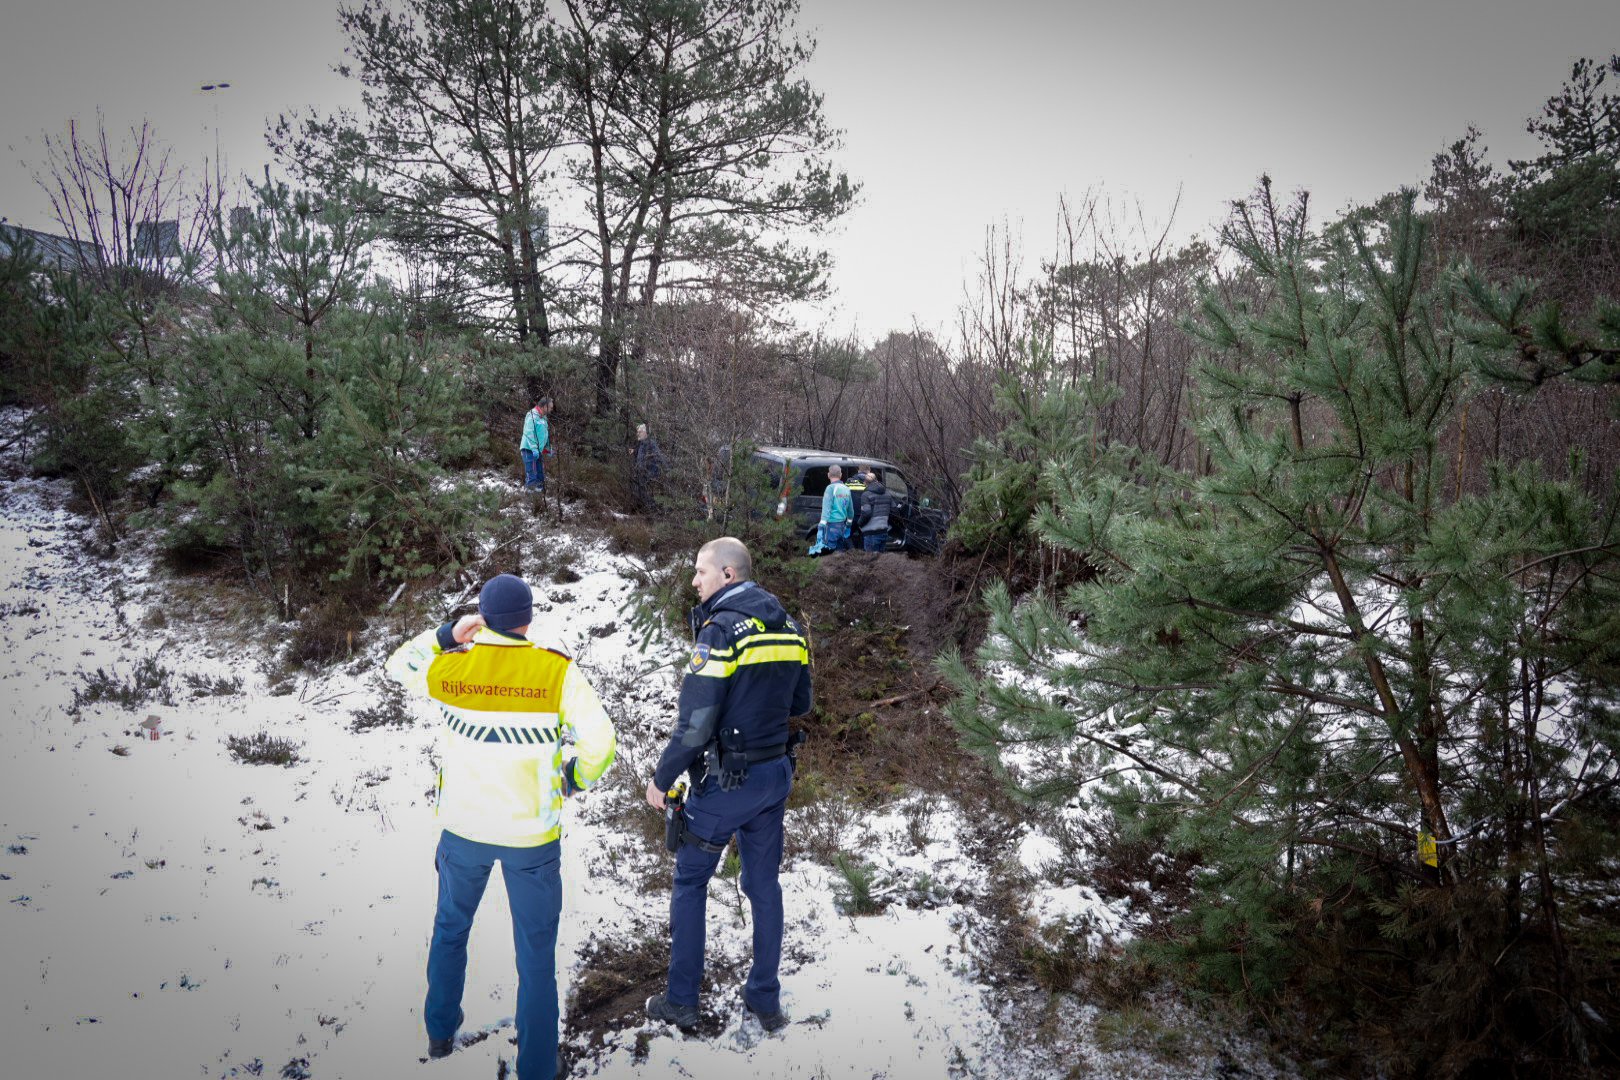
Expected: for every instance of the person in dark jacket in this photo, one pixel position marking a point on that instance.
(646, 466)
(876, 506)
(749, 672)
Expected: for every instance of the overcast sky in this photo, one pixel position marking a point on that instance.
(957, 113)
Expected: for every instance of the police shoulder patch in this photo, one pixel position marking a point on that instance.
(700, 655)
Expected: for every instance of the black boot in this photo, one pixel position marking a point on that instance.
(438, 1048)
(774, 1021)
(660, 1008)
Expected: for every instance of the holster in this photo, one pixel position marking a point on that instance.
(674, 819)
(677, 833)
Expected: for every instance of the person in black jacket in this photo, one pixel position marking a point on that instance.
(749, 672)
(646, 466)
(876, 506)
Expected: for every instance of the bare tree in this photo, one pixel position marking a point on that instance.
(994, 316)
(1111, 299)
(129, 210)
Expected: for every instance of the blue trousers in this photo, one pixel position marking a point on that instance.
(833, 536)
(534, 470)
(534, 886)
(754, 814)
(874, 541)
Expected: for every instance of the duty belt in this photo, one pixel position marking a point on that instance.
(765, 753)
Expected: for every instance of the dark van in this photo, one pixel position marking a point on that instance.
(801, 477)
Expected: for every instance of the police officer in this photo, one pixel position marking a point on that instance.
(857, 492)
(507, 706)
(749, 672)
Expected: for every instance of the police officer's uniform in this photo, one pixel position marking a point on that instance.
(749, 672)
(857, 495)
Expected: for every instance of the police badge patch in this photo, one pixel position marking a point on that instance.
(700, 656)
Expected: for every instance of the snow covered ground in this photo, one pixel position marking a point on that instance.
(171, 911)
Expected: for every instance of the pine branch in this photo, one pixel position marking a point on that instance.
(1609, 548)
(1276, 620)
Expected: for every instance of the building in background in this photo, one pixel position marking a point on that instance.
(54, 252)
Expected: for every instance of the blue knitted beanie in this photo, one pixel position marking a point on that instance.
(506, 603)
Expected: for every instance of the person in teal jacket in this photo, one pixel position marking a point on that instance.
(536, 445)
(837, 514)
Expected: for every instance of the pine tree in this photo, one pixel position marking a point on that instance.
(1523, 344)
(1568, 198)
(459, 124)
(1314, 672)
(1052, 430)
(55, 329)
(703, 146)
(309, 426)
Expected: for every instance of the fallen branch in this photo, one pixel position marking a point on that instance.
(897, 698)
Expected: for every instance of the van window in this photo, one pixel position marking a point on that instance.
(896, 483)
(815, 481)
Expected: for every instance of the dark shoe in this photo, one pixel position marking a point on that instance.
(660, 1008)
(438, 1048)
(774, 1021)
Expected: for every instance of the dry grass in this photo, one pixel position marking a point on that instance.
(326, 633)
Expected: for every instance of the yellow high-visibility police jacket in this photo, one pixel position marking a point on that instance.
(508, 705)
